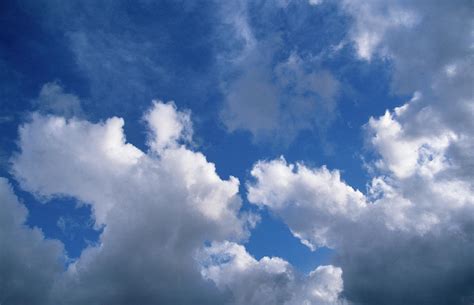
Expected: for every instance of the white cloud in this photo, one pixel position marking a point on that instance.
(416, 200)
(315, 2)
(402, 153)
(158, 211)
(269, 280)
(167, 126)
(313, 203)
(164, 206)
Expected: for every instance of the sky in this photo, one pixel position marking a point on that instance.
(290, 152)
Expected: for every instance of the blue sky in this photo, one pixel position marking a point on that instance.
(340, 119)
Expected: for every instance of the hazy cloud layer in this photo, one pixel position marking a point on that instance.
(270, 89)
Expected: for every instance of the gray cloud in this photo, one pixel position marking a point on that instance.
(269, 88)
(408, 242)
(52, 99)
(430, 46)
(29, 264)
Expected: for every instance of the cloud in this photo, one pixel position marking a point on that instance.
(269, 88)
(159, 210)
(313, 203)
(315, 2)
(28, 262)
(53, 99)
(213, 50)
(163, 207)
(167, 126)
(430, 47)
(373, 21)
(117, 55)
(396, 243)
(408, 239)
(269, 280)
(172, 227)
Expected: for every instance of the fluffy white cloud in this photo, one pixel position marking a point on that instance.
(158, 211)
(167, 126)
(313, 202)
(416, 201)
(164, 206)
(402, 153)
(269, 280)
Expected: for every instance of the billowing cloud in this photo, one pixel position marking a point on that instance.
(167, 126)
(159, 210)
(163, 207)
(409, 238)
(395, 244)
(269, 280)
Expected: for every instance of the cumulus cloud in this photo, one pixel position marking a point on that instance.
(163, 207)
(159, 210)
(312, 201)
(396, 243)
(269, 280)
(167, 126)
(408, 238)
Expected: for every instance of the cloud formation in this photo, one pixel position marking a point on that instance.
(159, 210)
(395, 245)
(173, 229)
(409, 239)
(269, 280)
